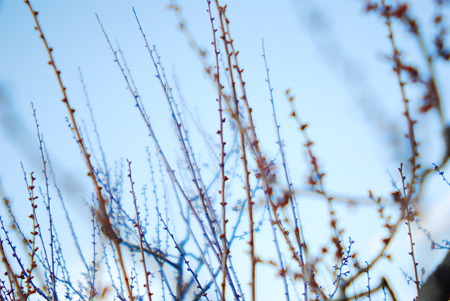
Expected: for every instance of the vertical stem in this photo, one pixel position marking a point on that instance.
(227, 41)
(222, 156)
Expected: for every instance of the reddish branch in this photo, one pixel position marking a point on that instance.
(102, 214)
(223, 177)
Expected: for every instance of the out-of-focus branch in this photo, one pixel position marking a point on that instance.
(437, 286)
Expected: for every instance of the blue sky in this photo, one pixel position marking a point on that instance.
(327, 52)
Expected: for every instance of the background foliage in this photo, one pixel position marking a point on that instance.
(346, 80)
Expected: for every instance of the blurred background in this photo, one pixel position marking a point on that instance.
(331, 54)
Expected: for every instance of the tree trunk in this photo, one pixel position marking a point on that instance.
(437, 286)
